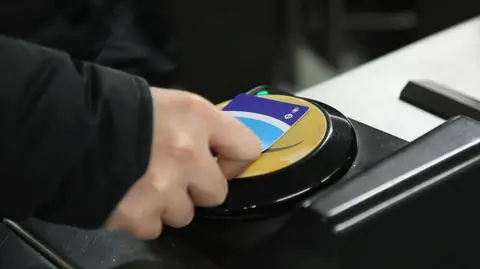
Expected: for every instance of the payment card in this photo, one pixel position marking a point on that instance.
(268, 119)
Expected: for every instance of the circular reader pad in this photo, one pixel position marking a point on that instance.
(315, 152)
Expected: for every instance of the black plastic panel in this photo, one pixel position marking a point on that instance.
(16, 254)
(300, 239)
(200, 249)
(416, 209)
(440, 100)
(429, 155)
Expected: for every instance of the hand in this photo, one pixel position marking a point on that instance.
(182, 171)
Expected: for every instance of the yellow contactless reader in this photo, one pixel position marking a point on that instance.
(315, 152)
(294, 145)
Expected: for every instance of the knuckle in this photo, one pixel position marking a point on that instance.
(252, 153)
(181, 214)
(219, 197)
(194, 102)
(146, 232)
(135, 216)
(185, 220)
(254, 149)
(199, 107)
(163, 187)
(183, 148)
(137, 232)
(155, 233)
(188, 218)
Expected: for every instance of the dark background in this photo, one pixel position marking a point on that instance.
(225, 47)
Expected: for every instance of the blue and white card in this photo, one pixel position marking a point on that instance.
(268, 119)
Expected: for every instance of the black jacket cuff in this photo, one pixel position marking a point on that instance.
(116, 156)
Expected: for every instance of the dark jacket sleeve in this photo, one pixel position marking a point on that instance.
(74, 136)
